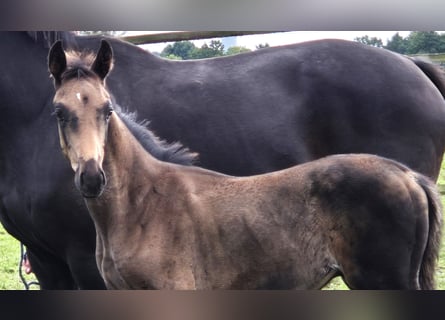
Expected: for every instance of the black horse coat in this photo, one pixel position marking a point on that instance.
(245, 114)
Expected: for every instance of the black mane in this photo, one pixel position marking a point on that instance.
(47, 38)
(160, 149)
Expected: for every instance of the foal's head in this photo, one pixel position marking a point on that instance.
(83, 108)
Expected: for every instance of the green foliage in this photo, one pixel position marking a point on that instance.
(173, 57)
(187, 50)
(217, 47)
(9, 264)
(397, 44)
(182, 49)
(214, 49)
(425, 42)
(417, 42)
(236, 50)
(375, 42)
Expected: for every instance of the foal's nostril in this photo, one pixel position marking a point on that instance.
(91, 179)
(104, 179)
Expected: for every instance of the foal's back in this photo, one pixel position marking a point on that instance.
(360, 216)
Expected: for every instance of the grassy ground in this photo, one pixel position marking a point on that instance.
(440, 278)
(9, 263)
(10, 254)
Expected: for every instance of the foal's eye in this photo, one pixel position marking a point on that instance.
(59, 115)
(108, 114)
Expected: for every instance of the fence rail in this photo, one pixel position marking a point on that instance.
(186, 35)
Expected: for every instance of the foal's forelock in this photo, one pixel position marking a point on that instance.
(75, 59)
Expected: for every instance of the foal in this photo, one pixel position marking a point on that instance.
(161, 225)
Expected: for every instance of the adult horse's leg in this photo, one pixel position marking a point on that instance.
(81, 264)
(51, 271)
(54, 273)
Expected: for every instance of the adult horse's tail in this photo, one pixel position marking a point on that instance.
(431, 254)
(434, 73)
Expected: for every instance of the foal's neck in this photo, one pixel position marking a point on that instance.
(131, 173)
(124, 154)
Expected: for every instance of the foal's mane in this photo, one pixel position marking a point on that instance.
(158, 148)
(47, 38)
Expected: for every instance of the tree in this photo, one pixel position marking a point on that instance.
(236, 50)
(417, 42)
(183, 49)
(215, 49)
(217, 46)
(374, 41)
(397, 44)
(424, 42)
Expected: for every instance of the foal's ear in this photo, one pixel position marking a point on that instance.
(104, 60)
(57, 62)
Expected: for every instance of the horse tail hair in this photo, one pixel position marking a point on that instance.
(433, 72)
(431, 253)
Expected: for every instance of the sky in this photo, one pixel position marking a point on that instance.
(282, 38)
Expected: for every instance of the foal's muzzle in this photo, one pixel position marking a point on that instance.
(90, 179)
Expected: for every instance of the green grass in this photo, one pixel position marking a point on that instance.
(10, 255)
(440, 277)
(9, 263)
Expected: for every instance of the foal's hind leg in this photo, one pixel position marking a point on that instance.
(388, 266)
(365, 280)
(386, 245)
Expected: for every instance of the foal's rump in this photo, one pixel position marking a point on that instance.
(431, 253)
(369, 219)
(384, 220)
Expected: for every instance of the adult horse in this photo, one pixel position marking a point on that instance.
(160, 225)
(245, 114)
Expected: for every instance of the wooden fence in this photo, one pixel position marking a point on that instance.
(438, 58)
(186, 35)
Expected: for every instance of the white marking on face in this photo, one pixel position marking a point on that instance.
(78, 96)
